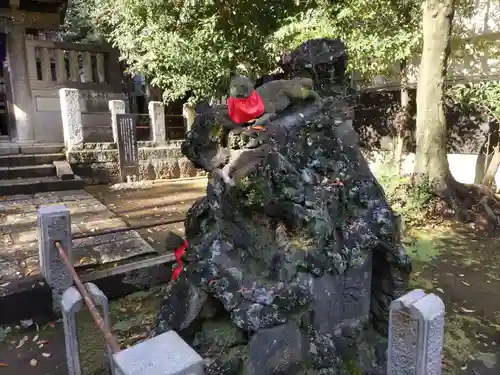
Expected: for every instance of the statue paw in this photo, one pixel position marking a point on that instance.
(223, 174)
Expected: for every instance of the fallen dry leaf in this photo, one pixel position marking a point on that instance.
(84, 259)
(467, 310)
(22, 342)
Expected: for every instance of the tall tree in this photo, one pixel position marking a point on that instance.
(386, 34)
(189, 48)
(431, 159)
(78, 26)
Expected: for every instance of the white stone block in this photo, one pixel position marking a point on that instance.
(157, 121)
(71, 115)
(54, 224)
(72, 302)
(116, 107)
(416, 334)
(166, 354)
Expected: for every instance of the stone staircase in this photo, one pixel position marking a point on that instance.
(36, 173)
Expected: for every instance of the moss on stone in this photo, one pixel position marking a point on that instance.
(252, 191)
(351, 368)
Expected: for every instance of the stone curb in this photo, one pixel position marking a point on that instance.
(30, 297)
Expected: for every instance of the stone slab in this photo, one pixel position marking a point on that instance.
(30, 296)
(63, 170)
(166, 354)
(19, 237)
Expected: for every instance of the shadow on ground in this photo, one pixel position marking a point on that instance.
(462, 267)
(158, 202)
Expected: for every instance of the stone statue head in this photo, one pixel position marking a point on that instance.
(240, 86)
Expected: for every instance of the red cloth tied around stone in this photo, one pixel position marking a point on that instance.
(179, 252)
(242, 110)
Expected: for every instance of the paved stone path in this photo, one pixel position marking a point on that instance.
(19, 241)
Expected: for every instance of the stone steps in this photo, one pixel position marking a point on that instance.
(36, 173)
(22, 160)
(34, 185)
(27, 171)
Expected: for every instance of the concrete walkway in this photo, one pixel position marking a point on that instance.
(19, 241)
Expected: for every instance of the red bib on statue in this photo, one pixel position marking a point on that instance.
(243, 110)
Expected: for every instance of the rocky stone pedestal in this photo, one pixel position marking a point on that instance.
(292, 269)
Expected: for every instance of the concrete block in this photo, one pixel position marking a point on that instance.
(63, 170)
(70, 305)
(157, 121)
(72, 302)
(71, 114)
(116, 107)
(416, 334)
(54, 224)
(166, 354)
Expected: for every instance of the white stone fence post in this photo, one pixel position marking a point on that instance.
(416, 334)
(71, 115)
(158, 130)
(166, 354)
(116, 107)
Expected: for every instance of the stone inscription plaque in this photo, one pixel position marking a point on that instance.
(128, 153)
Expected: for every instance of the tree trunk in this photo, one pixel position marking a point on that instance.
(489, 176)
(402, 119)
(431, 161)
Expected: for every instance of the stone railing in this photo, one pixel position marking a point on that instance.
(91, 141)
(55, 64)
(416, 323)
(73, 119)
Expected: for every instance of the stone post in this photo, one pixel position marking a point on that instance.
(157, 120)
(416, 334)
(166, 354)
(116, 107)
(72, 304)
(54, 224)
(22, 99)
(71, 114)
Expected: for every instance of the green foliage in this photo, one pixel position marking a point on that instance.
(351, 368)
(406, 197)
(190, 47)
(78, 26)
(483, 95)
(252, 191)
(378, 33)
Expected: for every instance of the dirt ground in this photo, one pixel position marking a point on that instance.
(40, 349)
(463, 268)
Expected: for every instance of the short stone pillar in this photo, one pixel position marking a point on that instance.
(157, 121)
(54, 224)
(416, 334)
(166, 354)
(72, 304)
(116, 107)
(71, 114)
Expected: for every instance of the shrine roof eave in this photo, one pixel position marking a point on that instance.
(38, 6)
